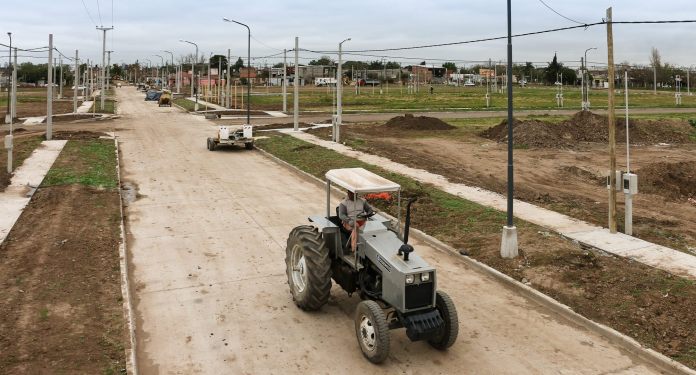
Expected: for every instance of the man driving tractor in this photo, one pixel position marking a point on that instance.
(353, 212)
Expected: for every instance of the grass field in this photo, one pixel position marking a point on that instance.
(87, 162)
(397, 98)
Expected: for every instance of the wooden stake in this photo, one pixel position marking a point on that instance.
(612, 126)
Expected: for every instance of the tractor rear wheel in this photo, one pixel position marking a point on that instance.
(249, 146)
(447, 335)
(308, 267)
(372, 331)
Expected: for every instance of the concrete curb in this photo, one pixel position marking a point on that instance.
(131, 363)
(658, 360)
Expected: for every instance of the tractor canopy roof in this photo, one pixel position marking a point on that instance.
(360, 181)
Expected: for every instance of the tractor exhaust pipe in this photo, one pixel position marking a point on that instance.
(406, 249)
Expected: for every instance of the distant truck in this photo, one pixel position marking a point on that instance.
(324, 81)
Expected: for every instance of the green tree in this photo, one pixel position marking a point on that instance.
(450, 66)
(214, 61)
(553, 71)
(239, 64)
(324, 60)
(393, 65)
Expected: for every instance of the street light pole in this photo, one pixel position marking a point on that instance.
(248, 65)
(586, 90)
(8, 116)
(508, 246)
(103, 70)
(175, 76)
(339, 91)
(193, 71)
(158, 75)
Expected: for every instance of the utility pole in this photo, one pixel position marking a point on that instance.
(227, 81)
(108, 69)
(8, 114)
(103, 71)
(285, 81)
(508, 245)
(13, 110)
(76, 81)
(60, 83)
(49, 91)
(296, 95)
(612, 126)
(339, 92)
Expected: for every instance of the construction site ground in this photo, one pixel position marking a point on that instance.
(206, 236)
(61, 306)
(554, 172)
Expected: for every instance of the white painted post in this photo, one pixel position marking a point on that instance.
(49, 91)
(296, 96)
(227, 82)
(103, 70)
(285, 81)
(76, 81)
(13, 107)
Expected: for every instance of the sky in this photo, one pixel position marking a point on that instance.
(143, 29)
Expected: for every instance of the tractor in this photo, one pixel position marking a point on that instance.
(226, 136)
(398, 289)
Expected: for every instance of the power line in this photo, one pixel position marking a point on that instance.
(99, 10)
(553, 10)
(585, 26)
(265, 45)
(88, 13)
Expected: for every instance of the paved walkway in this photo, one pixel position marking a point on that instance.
(664, 258)
(242, 113)
(85, 107)
(24, 182)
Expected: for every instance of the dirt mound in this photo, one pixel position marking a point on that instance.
(588, 127)
(410, 122)
(532, 133)
(673, 180)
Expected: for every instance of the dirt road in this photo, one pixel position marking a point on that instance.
(207, 237)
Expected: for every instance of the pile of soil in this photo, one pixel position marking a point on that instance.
(588, 127)
(410, 122)
(673, 180)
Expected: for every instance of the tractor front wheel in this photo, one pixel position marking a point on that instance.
(372, 330)
(308, 267)
(211, 144)
(447, 335)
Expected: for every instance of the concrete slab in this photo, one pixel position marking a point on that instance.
(666, 259)
(24, 181)
(85, 107)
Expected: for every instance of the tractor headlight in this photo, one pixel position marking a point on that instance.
(425, 277)
(409, 279)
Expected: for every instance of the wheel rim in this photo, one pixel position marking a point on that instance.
(367, 333)
(299, 269)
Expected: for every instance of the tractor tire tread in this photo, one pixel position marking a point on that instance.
(382, 330)
(448, 311)
(318, 267)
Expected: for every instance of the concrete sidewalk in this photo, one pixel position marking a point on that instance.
(24, 182)
(207, 104)
(661, 257)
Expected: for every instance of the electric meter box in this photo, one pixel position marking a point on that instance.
(619, 184)
(630, 183)
(9, 142)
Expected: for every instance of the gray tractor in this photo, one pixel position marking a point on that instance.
(398, 288)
